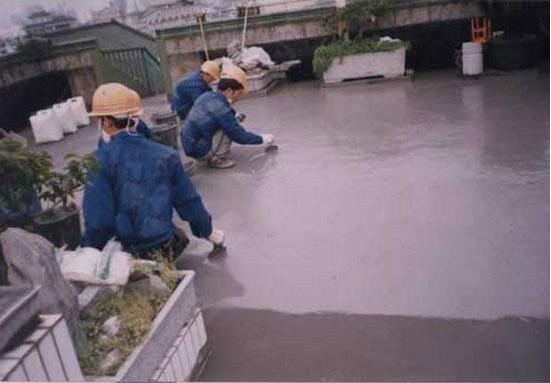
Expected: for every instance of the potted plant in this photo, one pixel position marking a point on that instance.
(60, 222)
(512, 47)
(351, 56)
(22, 173)
(361, 58)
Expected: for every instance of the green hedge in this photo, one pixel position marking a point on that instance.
(324, 55)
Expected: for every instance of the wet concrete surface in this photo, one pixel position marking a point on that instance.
(393, 229)
(387, 238)
(265, 345)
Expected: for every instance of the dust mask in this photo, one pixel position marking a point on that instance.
(104, 136)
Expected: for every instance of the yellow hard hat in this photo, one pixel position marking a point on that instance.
(114, 99)
(137, 103)
(234, 72)
(211, 68)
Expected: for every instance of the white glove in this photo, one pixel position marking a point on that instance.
(217, 237)
(268, 139)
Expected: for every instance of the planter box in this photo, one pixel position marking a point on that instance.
(46, 355)
(176, 346)
(188, 354)
(259, 81)
(390, 64)
(179, 311)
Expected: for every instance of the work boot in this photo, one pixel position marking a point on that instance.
(220, 163)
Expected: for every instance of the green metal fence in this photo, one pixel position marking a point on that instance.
(142, 69)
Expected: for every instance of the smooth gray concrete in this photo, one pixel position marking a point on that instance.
(426, 200)
(396, 227)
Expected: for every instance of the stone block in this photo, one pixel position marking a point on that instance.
(31, 262)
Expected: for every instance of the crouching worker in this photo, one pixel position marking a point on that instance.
(138, 185)
(192, 86)
(211, 125)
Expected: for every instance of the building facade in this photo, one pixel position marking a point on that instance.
(43, 22)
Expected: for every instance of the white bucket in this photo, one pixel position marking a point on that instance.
(473, 62)
(66, 117)
(79, 110)
(46, 126)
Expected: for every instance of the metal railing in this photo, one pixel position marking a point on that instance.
(141, 67)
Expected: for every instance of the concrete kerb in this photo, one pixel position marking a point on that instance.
(409, 76)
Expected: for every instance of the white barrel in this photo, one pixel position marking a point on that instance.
(78, 107)
(66, 117)
(46, 126)
(473, 62)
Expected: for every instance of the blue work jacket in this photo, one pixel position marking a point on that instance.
(210, 113)
(186, 92)
(133, 195)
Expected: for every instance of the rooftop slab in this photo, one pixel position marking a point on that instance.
(396, 219)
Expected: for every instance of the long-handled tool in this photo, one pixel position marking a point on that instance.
(245, 26)
(200, 16)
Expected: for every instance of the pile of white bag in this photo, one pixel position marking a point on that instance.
(63, 118)
(249, 58)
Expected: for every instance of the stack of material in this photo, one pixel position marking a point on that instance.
(250, 59)
(79, 111)
(65, 116)
(50, 124)
(46, 126)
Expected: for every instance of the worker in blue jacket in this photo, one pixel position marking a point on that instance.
(192, 86)
(139, 183)
(211, 125)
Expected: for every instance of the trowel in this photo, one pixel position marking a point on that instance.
(271, 148)
(218, 251)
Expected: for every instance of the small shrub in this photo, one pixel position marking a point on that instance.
(324, 55)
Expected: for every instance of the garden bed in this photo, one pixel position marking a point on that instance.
(359, 59)
(147, 327)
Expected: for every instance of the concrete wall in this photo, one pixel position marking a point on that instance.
(83, 83)
(20, 70)
(181, 48)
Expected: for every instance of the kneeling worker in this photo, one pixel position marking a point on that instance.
(211, 125)
(139, 183)
(192, 86)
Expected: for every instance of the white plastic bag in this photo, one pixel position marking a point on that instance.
(46, 126)
(249, 58)
(66, 117)
(79, 110)
(255, 57)
(108, 267)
